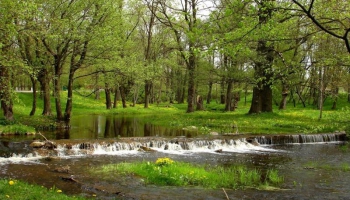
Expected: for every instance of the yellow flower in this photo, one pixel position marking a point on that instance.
(59, 191)
(8, 196)
(164, 161)
(11, 182)
(94, 195)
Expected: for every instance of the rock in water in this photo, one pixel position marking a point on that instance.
(37, 144)
(147, 149)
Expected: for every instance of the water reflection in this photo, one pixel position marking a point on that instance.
(101, 126)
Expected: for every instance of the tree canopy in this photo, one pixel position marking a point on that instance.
(154, 51)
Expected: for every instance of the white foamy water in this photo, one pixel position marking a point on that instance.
(182, 146)
(19, 158)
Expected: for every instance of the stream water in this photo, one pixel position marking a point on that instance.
(314, 166)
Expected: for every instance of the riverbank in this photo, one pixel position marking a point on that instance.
(213, 119)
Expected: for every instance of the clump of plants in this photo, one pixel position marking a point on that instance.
(167, 172)
(17, 129)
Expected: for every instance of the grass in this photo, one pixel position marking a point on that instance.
(18, 190)
(15, 128)
(173, 173)
(292, 120)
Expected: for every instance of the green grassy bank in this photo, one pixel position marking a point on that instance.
(296, 119)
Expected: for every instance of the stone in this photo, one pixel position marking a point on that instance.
(37, 144)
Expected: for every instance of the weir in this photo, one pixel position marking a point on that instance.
(300, 139)
(239, 144)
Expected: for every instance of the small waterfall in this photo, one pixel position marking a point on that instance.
(300, 139)
(254, 144)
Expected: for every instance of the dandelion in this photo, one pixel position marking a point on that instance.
(59, 191)
(11, 182)
(164, 161)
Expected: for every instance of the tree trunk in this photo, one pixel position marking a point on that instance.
(300, 97)
(115, 97)
(191, 84)
(266, 98)
(57, 91)
(5, 93)
(69, 103)
(108, 97)
(123, 95)
(222, 91)
(283, 103)
(74, 66)
(320, 103)
(199, 103)
(44, 81)
(32, 112)
(210, 89)
(335, 93)
(228, 103)
(148, 89)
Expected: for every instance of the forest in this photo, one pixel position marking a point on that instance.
(177, 51)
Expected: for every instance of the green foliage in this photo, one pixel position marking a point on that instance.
(18, 190)
(273, 177)
(16, 129)
(168, 172)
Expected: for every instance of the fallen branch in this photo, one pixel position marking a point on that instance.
(226, 194)
(43, 136)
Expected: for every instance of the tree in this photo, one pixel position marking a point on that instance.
(10, 12)
(262, 91)
(184, 24)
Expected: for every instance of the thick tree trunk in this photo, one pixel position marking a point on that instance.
(45, 91)
(191, 67)
(262, 92)
(255, 106)
(266, 98)
(7, 110)
(5, 98)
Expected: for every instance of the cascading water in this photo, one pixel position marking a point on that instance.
(300, 139)
(254, 144)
